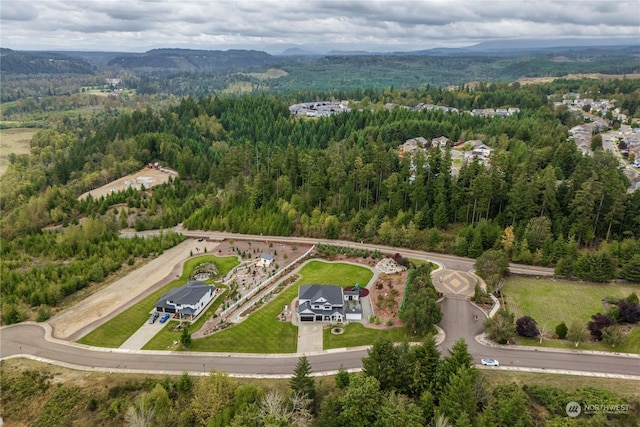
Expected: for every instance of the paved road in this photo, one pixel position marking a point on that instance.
(29, 339)
(451, 262)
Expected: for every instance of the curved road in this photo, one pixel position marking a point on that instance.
(35, 341)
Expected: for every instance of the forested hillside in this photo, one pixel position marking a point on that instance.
(198, 73)
(246, 165)
(15, 62)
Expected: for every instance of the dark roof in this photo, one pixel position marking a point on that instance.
(331, 293)
(266, 256)
(190, 293)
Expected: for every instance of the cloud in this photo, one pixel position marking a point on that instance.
(347, 24)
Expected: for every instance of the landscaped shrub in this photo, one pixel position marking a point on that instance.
(628, 312)
(526, 327)
(561, 330)
(599, 322)
(500, 328)
(44, 313)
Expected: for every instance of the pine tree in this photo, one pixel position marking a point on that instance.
(185, 338)
(301, 381)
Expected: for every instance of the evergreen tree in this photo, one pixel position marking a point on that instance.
(302, 382)
(185, 337)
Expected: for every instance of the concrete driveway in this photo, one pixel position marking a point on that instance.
(309, 337)
(143, 335)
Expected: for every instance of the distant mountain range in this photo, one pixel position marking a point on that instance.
(218, 61)
(494, 47)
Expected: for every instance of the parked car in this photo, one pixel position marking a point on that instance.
(154, 317)
(490, 362)
(165, 317)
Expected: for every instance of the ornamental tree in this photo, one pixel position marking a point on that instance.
(526, 327)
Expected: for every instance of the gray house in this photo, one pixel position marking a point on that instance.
(320, 303)
(188, 301)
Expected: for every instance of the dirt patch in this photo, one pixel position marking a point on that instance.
(147, 177)
(386, 296)
(14, 141)
(283, 254)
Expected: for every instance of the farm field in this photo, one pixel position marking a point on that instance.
(14, 141)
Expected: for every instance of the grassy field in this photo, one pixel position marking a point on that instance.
(117, 330)
(261, 332)
(550, 302)
(554, 301)
(14, 141)
(564, 382)
(631, 343)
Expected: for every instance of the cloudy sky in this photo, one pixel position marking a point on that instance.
(274, 25)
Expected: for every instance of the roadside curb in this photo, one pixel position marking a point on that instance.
(483, 340)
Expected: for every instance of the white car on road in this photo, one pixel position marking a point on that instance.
(490, 362)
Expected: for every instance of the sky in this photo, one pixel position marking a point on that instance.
(275, 25)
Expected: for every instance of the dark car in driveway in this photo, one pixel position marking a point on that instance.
(154, 317)
(165, 317)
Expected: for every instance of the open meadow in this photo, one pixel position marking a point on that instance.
(550, 302)
(14, 141)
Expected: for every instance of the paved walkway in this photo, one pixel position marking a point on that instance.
(452, 282)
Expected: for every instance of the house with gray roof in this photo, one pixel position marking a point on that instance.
(320, 303)
(188, 301)
(266, 259)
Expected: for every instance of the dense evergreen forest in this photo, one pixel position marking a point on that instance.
(246, 165)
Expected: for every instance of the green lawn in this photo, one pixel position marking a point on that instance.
(164, 339)
(261, 332)
(355, 335)
(117, 330)
(631, 344)
(550, 302)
